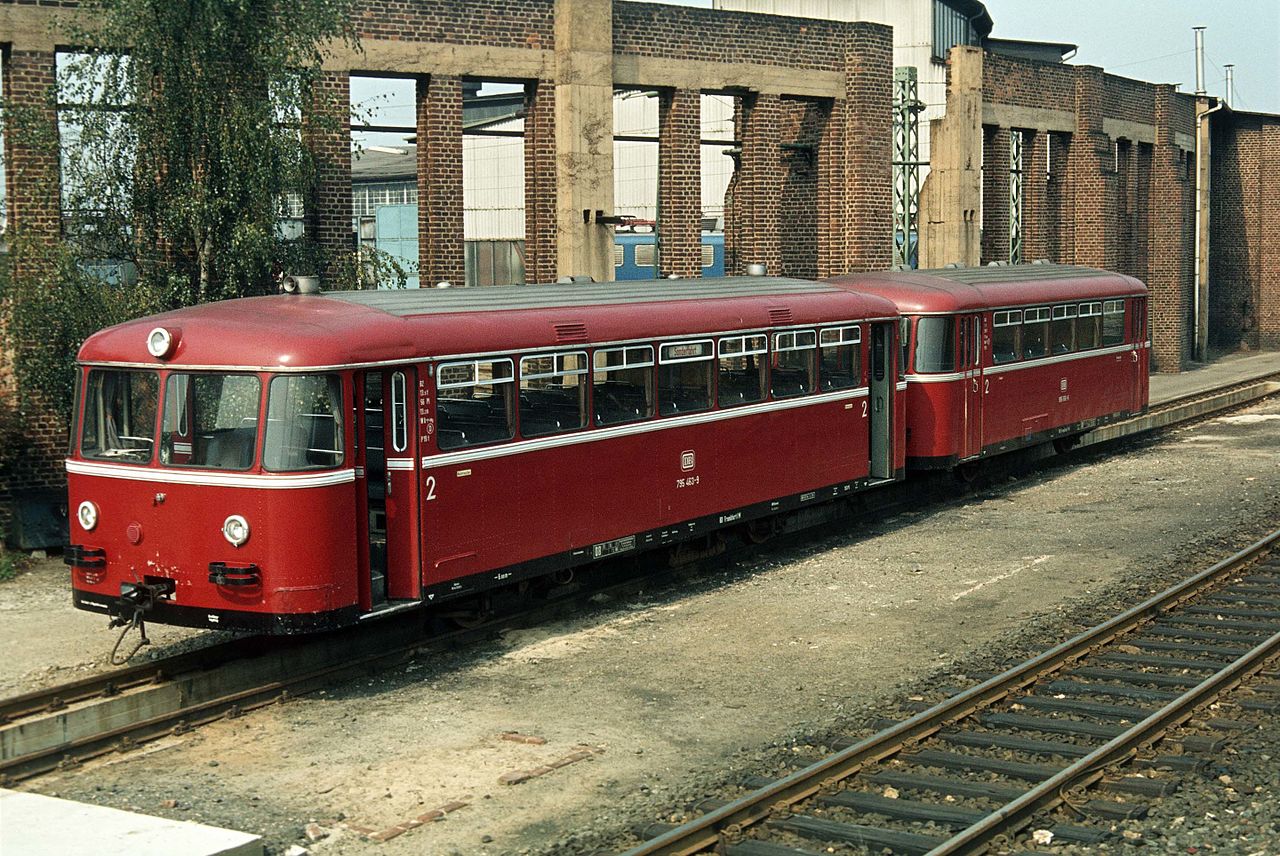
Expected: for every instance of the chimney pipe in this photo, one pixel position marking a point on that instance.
(1199, 60)
(1231, 83)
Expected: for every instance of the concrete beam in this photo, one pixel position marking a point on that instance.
(396, 56)
(1030, 118)
(1138, 132)
(34, 28)
(641, 71)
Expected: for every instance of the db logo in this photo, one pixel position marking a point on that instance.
(686, 460)
(1063, 385)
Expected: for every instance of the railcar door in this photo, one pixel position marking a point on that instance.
(1141, 355)
(389, 405)
(883, 380)
(970, 359)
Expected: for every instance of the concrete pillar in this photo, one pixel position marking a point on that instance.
(33, 191)
(995, 194)
(1090, 165)
(441, 255)
(952, 193)
(756, 190)
(1035, 153)
(1171, 253)
(540, 237)
(679, 183)
(869, 146)
(328, 220)
(584, 136)
(1269, 238)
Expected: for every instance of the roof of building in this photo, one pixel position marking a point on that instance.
(1031, 49)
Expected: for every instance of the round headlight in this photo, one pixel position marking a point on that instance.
(236, 530)
(87, 514)
(159, 342)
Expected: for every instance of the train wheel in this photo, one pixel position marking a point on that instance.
(968, 472)
(1062, 445)
(761, 529)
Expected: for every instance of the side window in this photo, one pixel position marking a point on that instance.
(840, 357)
(1113, 322)
(1089, 326)
(1035, 332)
(936, 344)
(1062, 330)
(622, 386)
(475, 403)
(399, 414)
(794, 363)
(904, 342)
(742, 369)
(685, 371)
(553, 393)
(1006, 336)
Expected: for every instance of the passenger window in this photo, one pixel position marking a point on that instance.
(210, 420)
(1006, 336)
(1035, 332)
(840, 357)
(685, 377)
(742, 369)
(475, 403)
(935, 345)
(623, 385)
(1062, 330)
(553, 394)
(1089, 326)
(794, 363)
(1113, 322)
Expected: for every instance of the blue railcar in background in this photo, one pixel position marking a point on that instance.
(635, 255)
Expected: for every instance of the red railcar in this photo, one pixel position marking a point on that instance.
(1007, 356)
(296, 463)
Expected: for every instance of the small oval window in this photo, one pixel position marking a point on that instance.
(399, 424)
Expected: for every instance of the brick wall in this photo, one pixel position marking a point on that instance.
(995, 194)
(492, 23)
(440, 222)
(679, 183)
(868, 148)
(540, 182)
(1171, 239)
(803, 124)
(753, 229)
(329, 140)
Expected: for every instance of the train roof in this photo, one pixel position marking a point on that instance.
(977, 288)
(344, 328)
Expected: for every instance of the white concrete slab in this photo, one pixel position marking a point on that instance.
(36, 825)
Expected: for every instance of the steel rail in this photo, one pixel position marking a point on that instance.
(1091, 767)
(729, 820)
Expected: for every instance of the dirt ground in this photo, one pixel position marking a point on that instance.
(681, 688)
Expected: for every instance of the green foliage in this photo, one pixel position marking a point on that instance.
(11, 564)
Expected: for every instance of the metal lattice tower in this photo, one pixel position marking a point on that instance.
(906, 165)
(1015, 196)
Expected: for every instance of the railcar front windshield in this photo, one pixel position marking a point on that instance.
(120, 415)
(210, 420)
(304, 423)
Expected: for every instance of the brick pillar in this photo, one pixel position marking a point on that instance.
(1060, 232)
(440, 242)
(1171, 251)
(31, 146)
(832, 211)
(1269, 236)
(328, 221)
(756, 188)
(1142, 214)
(869, 146)
(540, 182)
(995, 194)
(679, 182)
(1090, 167)
(1035, 154)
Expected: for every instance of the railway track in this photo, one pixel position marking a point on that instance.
(69, 723)
(1086, 722)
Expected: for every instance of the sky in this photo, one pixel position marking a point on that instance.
(1152, 40)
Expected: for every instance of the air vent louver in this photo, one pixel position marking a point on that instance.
(571, 333)
(780, 315)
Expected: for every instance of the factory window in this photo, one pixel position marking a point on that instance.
(841, 357)
(553, 393)
(685, 375)
(1089, 326)
(794, 366)
(475, 403)
(1113, 322)
(950, 28)
(742, 369)
(1035, 332)
(622, 386)
(1006, 336)
(935, 345)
